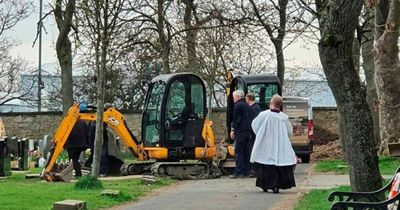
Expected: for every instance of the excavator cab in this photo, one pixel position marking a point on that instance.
(174, 116)
(264, 86)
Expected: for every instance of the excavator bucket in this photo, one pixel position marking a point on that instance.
(61, 173)
(65, 175)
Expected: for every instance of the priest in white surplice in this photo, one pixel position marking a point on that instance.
(272, 151)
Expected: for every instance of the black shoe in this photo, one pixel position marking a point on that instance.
(275, 190)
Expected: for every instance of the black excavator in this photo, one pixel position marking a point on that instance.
(263, 86)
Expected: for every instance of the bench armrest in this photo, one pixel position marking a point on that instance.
(342, 205)
(373, 196)
(354, 196)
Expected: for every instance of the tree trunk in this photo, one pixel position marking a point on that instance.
(387, 69)
(381, 14)
(278, 40)
(280, 61)
(191, 37)
(64, 52)
(101, 55)
(163, 40)
(369, 69)
(278, 43)
(356, 54)
(337, 24)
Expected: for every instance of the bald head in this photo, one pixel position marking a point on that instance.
(276, 102)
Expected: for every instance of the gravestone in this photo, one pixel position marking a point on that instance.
(110, 193)
(70, 205)
(5, 159)
(22, 154)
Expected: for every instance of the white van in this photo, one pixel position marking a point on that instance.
(299, 111)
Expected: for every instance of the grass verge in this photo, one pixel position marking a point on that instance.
(318, 199)
(387, 166)
(16, 192)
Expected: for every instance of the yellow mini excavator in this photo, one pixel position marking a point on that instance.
(176, 135)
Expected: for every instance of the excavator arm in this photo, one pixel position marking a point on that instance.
(114, 120)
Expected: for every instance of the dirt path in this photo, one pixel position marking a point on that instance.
(222, 193)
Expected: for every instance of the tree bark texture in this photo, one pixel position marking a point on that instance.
(367, 45)
(101, 56)
(356, 54)
(164, 41)
(381, 14)
(64, 51)
(280, 60)
(191, 37)
(387, 71)
(337, 24)
(277, 40)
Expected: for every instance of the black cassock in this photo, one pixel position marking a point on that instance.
(271, 176)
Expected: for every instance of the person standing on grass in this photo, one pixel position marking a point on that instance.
(77, 142)
(272, 152)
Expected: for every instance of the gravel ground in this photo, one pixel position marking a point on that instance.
(222, 193)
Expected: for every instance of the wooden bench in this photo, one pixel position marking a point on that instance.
(364, 200)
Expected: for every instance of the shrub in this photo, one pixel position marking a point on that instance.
(88, 182)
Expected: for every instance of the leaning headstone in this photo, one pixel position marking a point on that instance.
(70, 205)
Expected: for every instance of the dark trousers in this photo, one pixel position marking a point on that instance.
(252, 139)
(104, 158)
(242, 156)
(73, 154)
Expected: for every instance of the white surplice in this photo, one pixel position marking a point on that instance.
(272, 145)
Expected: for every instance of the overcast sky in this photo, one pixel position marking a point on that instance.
(298, 54)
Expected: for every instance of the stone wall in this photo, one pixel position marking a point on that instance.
(325, 124)
(36, 125)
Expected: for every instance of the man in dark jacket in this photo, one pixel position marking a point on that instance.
(253, 113)
(104, 150)
(76, 143)
(240, 131)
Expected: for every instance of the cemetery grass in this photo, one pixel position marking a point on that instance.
(318, 199)
(387, 166)
(16, 192)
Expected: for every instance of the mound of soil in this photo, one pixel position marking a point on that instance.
(331, 150)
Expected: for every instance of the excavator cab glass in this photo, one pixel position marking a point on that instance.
(174, 112)
(152, 114)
